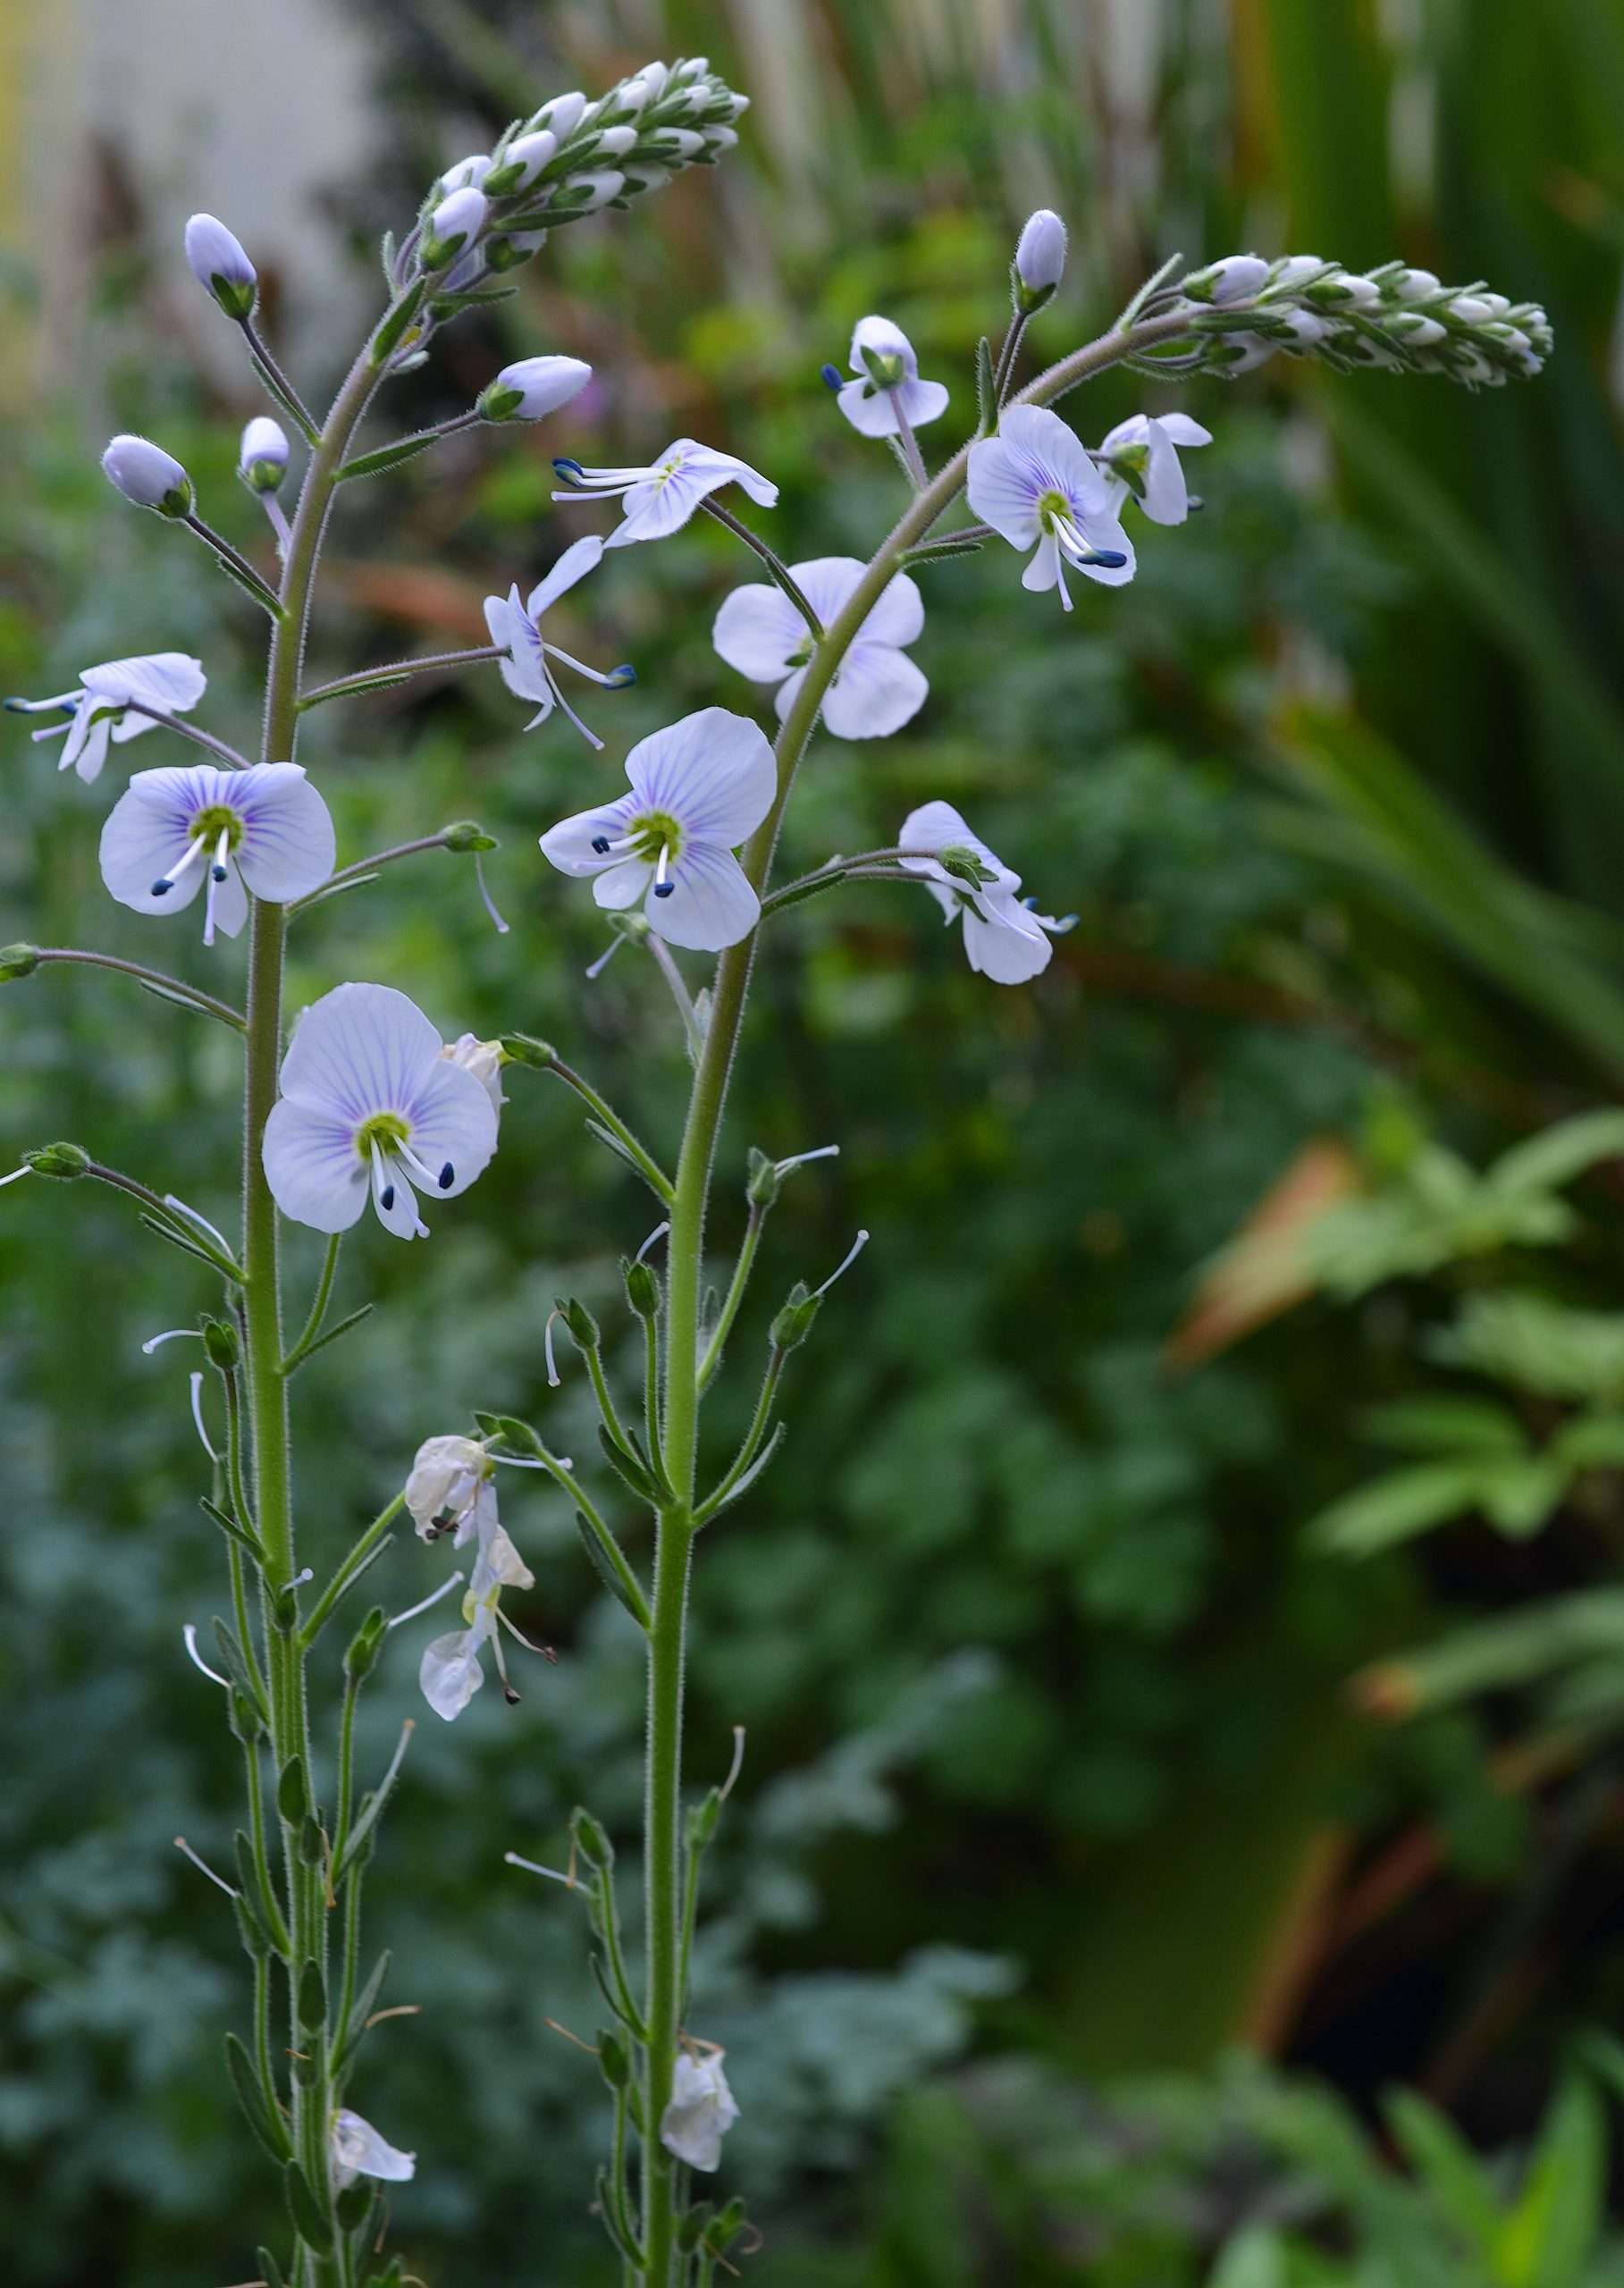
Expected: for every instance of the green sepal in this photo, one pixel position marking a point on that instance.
(394, 325)
(292, 1800)
(18, 961)
(606, 2211)
(523, 1048)
(985, 392)
(362, 2009)
(251, 584)
(262, 2118)
(344, 1326)
(256, 1939)
(232, 1661)
(354, 2206)
(242, 1715)
(312, 2002)
(703, 1819)
(310, 2220)
(642, 1288)
(391, 2276)
(466, 835)
(360, 1657)
(312, 1843)
(691, 2227)
(615, 2058)
(271, 2272)
(62, 1161)
(285, 1609)
(590, 1838)
(220, 1345)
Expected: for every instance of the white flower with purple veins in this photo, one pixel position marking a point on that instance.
(451, 1489)
(877, 687)
(102, 708)
(1140, 456)
(1035, 484)
(1006, 938)
(516, 630)
(356, 2149)
(174, 832)
(659, 500)
(701, 2110)
(888, 384)
(699, 788)
(369, 1102)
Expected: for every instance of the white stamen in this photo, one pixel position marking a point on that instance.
(535, 1867)
(799, 1159)
(208, 908)
(514, 1631)
(197, 1661)
(308, 1573)
(202, 1221)
(663, 885)
(188, 857)
(382, 1179)
(444, 1590)
(170, 1334)
(222, 851)
(203, 1867)
(737, 1764)
(528, 1461)
(857, 1246)
(658, 1233)
(553, 1378)
(486, 899)
(197, 1388)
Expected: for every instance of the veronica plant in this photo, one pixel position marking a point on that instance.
(365, 1104)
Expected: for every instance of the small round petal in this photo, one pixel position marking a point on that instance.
(360, 1049)
(568, 846)
(221, 265)
(530, 153)
(759, 631)
(171, 680)
(1229, 279)
(445, 1476)
(471, 170)
(315, 1175)
(563, 115)
(712, 905)
(580, 557)
(533, 388)
(1010, 946)
(876, 691)
(524, 667)
(876, 338)
(453, 1124)
(456, 222)
(145, 473)
(449, 1671)
(1002, 490)
(713, 770)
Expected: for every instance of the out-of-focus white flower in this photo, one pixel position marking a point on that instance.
(262, 456)
(1035, 485)
(888, 389)
(533, 388)
(1005, 938)
(221, 265)
(701, 2110)
(659, 499)
(877, 687)
(356, 2149)
(100, 709)
(146, 475)
(1141, 458)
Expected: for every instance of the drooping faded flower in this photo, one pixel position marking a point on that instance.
(1140, 456)
(877, 687)
(452, 1669)
(660, 499)
(1005, 938)
(888, 384)
(1035, 484)
(516, 629)
(369, 1102)
(174, 832)
(699, 789)
(701, 2110)
(100, 709)
(356, 2149)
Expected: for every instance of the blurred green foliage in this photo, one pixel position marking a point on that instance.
(1042, 1685)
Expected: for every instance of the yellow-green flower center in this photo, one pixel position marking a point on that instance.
(214, 819)
(386, 1129)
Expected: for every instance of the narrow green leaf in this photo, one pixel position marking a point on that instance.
(263, 2118)
(387, 456)
(1446, 2165)
(606, 1572)
(310, 2219)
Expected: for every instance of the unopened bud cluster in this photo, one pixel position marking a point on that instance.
(1405, 321)
(492, 210)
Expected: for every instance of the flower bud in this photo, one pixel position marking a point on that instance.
(18, 961)
(1229, 279)
(1470, 309)
(615, 142)
(290, 1799)
(1344, 288)
(145, 473)
(585, 194)
(467, 174)
(519, 1048)
(243, 1717)
(221, 267)
(642, 1290)
(583, 1330)
(1294, 269)
(614, 2059)
(311, 1996)
(533, 388)
(762, 1178)
(562, 116)
(466, 835)
(456, 222)
(507, 251)
(589, 1839)
(1414, 285)
(262, 457)
(366, 1645)
(794, 1323)
(64, 1161)
(221, 1344)
(1039, 260)
(521, 162)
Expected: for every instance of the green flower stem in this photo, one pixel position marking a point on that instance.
(658, 1182)
(606, 1403)
(735, 1295)
(280, 388)
(775, 565)
(192, 731)
(675, 1529)
(392, 671)
(266, 1902)
(346, 1776)
(266, 1384)
(318, 1306)
(364, 869)
(321, 1612)
(751, 1447)
(171, 987)
(255, 581)
(602, 1533)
